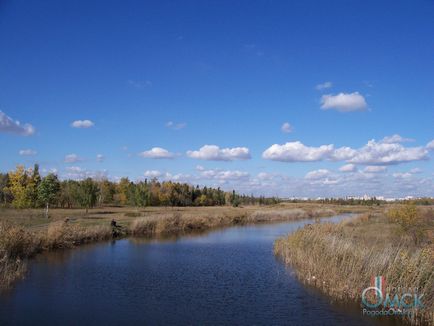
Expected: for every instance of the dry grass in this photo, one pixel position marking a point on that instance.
(64, 235)
(340, 259)
(16, 244)
(178, 223)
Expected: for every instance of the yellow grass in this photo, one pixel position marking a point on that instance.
(340, 259)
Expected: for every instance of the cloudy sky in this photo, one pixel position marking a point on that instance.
(306, 98)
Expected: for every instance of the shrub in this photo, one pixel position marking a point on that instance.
(410, 221)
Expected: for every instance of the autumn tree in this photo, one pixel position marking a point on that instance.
(17, 187)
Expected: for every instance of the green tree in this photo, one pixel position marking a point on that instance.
(48, 191)
(5, 195)
(33, 182)
(88, 194)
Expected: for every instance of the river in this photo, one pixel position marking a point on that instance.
(228, 276)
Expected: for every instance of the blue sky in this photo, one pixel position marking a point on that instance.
(177, 76)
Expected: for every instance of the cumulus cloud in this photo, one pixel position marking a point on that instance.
(286, 128)
(430, 145)
(373, 153)
(157, 153)
(72, 158)
(348, 168)
(297, 152)
(215, 153)
(317, 174)
(342, 154)
(82, 124)
(27, 152)
(223, 175)
(8, 125)
(344, 102)
(100, 158)
(374, 169)
(153, 174)
(176, 126)
(323, 86)
(387, 154)
(395, 139)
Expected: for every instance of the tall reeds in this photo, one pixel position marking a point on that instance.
(340, 259)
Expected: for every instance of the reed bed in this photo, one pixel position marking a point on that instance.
(340, 260)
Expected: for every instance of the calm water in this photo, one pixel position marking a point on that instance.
(227, 277)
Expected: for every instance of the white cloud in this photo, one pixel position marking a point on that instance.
(373, 153)
(402, 175)
(76, 173)
(286, 128)
(153, 174)
(176, 126)
(317, 174)
(343, 153)
(395, 139)
(82, 124)
(415, 171)
(72, 158)
(297, 152)
(265, 176)
(382, 153)
(215, 153)
(374, 169)
(100, 158)
(344, 102)
(8, 125)
(430, 145)
(224, 175)
(325, 85)
(157, 153)
(28, 152)
(348, 168)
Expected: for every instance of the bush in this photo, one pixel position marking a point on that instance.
(410, 221)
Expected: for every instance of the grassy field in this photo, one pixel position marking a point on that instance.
(340, 259)
(27, 232)
(35, 219)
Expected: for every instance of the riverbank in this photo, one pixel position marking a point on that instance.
(340, 259)
(23, 236)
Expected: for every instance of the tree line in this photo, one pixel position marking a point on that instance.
(25, 188)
